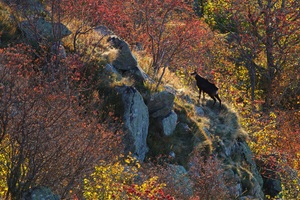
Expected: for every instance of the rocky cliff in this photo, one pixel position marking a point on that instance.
(171, 123)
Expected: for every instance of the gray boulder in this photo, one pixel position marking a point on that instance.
(238, 153)
(136, 122)
(169, 123)
(160, 104)
(39, 30)
(125, 62)
(249, 158)
(229, 142)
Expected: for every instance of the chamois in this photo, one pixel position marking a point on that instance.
(207, 87)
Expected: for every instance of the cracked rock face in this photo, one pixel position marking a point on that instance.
(136, 122)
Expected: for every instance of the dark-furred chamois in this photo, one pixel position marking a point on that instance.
(207, 87)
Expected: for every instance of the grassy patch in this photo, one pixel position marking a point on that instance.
(189, 134)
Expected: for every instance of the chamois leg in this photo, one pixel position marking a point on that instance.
(200, 94)
(213, 99)
(217, 96)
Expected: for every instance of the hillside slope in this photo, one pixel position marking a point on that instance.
(180, 128)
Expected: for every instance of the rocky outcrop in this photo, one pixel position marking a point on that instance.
(136, 122)
(125, 62)
(230, 146)
(160, 104)
(221, 135)
(243, 170)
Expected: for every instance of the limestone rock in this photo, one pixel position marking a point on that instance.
(239, 155)
(160, 104)
(170, 89)
(125, 62)
(169, 123)
(136, 122)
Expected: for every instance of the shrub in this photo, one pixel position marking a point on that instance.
(208, 178)
(121, 180)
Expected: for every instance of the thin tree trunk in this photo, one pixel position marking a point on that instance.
(160, 78)
(269, 53)
(253, 82)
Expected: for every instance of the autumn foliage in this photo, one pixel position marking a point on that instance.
(57, 129)
(117, 180)
(167, 30)
(47, 136)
